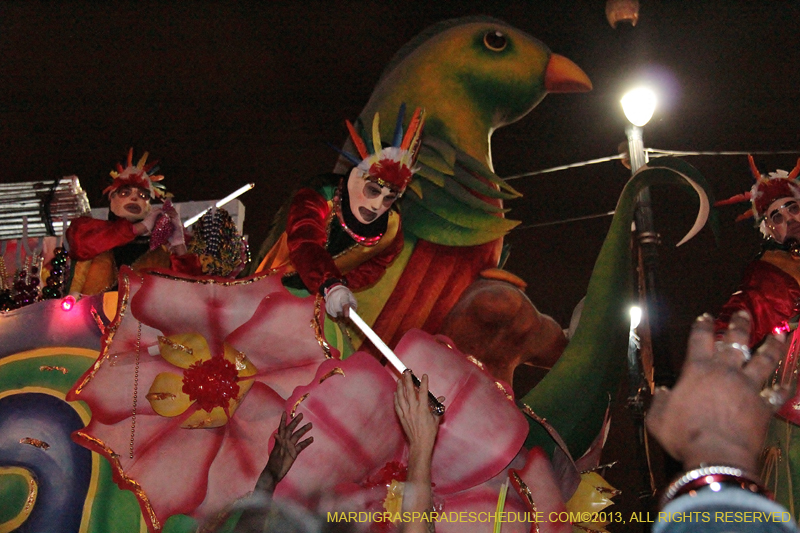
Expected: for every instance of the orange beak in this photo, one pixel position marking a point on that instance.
(564, 76)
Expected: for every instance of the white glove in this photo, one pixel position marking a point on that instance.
(337, 299)
(150, 219)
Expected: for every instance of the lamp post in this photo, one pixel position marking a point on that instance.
(639, 105)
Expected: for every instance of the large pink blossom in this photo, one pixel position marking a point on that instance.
(358, 440)
(190, 385)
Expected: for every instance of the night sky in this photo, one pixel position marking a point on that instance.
(226, 93)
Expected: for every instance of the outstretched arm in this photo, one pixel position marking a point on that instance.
(287, 447)
(421, 427)
(714, 414)
(714, 421)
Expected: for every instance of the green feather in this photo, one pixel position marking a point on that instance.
(438, 155)
(475, 166)
(429, 226)
(466, 178)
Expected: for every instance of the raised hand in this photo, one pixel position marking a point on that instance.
(719, 409)
(287, 447)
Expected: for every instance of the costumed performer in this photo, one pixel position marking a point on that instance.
(770, 294)
(770, 289)
(343, 231)
(100, 247)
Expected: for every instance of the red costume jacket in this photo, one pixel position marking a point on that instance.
(91, 244)
(769, 292)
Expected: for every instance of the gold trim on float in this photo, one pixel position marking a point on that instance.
(472, 359)
(79, 407)
(125, 483)
(98, 321)
(48, 368)
(298, 402)
(214, 281)
(335, 371)
(49, 352)
(175, 345)
(108, 334)
(445, 343)
(526, 493)
(316, 323)
(502, 388)
(36, 443)
(33, 491)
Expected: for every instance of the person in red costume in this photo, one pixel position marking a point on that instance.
(770, 289)
(770, 295)
(342, 231)
(99, 247)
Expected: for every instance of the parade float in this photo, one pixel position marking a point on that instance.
(153, 406)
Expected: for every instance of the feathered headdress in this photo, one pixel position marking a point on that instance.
(393, 166)
(141, 175)
(767, 189)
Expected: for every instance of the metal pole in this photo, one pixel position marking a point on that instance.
(648, 240)
(647, 260)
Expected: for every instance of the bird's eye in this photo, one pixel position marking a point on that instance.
(495, 40)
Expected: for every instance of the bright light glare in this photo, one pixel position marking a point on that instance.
(636, 316)
(639, 105)
(68, 303)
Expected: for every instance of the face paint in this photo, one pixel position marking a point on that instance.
(368, 200)
(783, 219)
(130, 203)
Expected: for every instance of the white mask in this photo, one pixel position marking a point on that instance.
(130, 203)
(368, 200)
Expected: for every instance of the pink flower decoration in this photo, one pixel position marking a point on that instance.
(190, 384)
(357, 438)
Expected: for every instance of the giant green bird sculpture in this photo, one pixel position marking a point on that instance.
(472, 76)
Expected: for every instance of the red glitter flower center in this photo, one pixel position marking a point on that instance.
(211, 383)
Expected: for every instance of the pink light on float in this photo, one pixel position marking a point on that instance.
(783, 327)
(67, 303)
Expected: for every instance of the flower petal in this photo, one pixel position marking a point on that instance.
(280, 341)
(168, 473)
(356, 431)
(475, 406)
(212, 308)
(244, 451)
(183, 349)
(165, 395)
(540, 479)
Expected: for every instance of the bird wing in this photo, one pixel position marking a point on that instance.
(455, 200)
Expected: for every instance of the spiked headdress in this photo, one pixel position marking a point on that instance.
(141, 175)
(393, 166)
(767, 189)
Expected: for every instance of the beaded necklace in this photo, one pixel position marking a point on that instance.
(363, 241)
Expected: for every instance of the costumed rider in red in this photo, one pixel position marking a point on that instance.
(343, 231)
(770, 289)
(136, 233)
(770, 293)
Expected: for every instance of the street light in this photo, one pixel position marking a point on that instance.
(639, 105)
